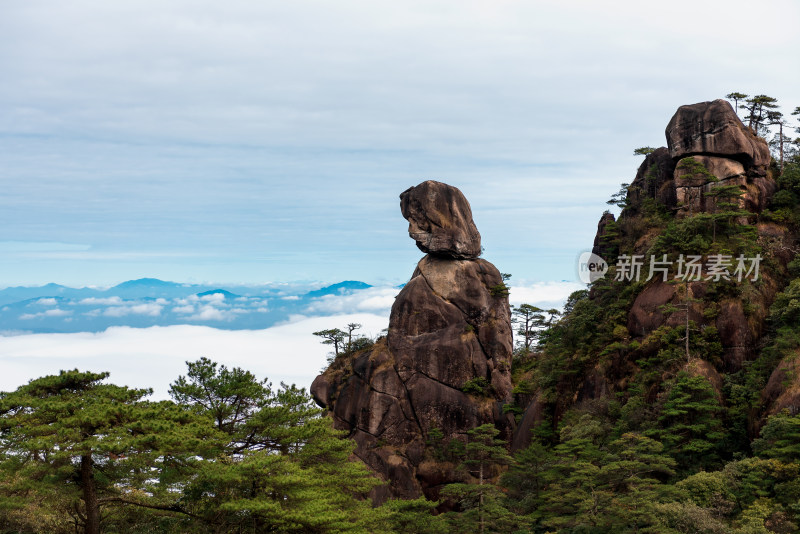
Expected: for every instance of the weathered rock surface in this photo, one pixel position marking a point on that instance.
(711, 134)
(654, 179)
(783, 388)
(533, 415)
(440, 220)
(692, 190)
(647, 312)
(449, 326)
(600, 246)
(714, 129)
(728, 319)
(738, 333)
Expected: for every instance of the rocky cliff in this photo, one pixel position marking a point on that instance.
(703, 292)
(445, 364)
(707, 195)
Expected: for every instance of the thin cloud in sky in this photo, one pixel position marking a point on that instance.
(151, 309)
(55, 312)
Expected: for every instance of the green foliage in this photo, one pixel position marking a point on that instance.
(481, 503)
(784, 207)
(230, 455)
(643, 151)
(529, 320)
(479, 386)
(531, 324)
(228, 396)
(620, 198)
(412, 516)
(444, 450)
(689, 423)
(86, 445)
(780, 438)
(757, 108)
(332, 336)
(736, 97)
(785, 311)
(344, 342)
(502, 289)
(288, 488)
(584, 484)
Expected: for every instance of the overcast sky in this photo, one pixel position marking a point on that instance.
(244, 141)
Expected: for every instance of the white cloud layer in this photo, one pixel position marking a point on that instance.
(150, 309)
(154, 357)
(373, 300)
(543, 294)
(55, 312)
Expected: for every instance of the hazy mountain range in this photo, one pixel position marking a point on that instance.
(150, 302)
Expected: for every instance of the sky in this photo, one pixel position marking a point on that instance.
(254, 142)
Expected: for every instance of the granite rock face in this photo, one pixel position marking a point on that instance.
(449, 327)
(654, 179)
(440, 220)
(707, 147)
(600, 246)
(714, 129)
(711, 133)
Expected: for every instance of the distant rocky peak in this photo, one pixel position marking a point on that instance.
(707, 147)
(714, 129)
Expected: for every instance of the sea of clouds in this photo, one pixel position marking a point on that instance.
(154, 357)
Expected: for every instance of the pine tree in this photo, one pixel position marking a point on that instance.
(284, 468)
(689, 419)
(735, 96)
(529, 320)
(316, 488)
(757, 108)
(97, 446)
(482, 503)
(527, 479)
(229, 396)
(780, 438)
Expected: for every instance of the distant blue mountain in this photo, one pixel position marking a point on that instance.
(151, 302)
(153, 287)
(144, 283)
(338, 289)
(224, 293)
(16, 294)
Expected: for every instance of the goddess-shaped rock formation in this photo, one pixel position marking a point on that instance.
(449, 328)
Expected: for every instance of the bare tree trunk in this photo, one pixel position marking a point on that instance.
(480, 505)
(90, 495)
(687, 324)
